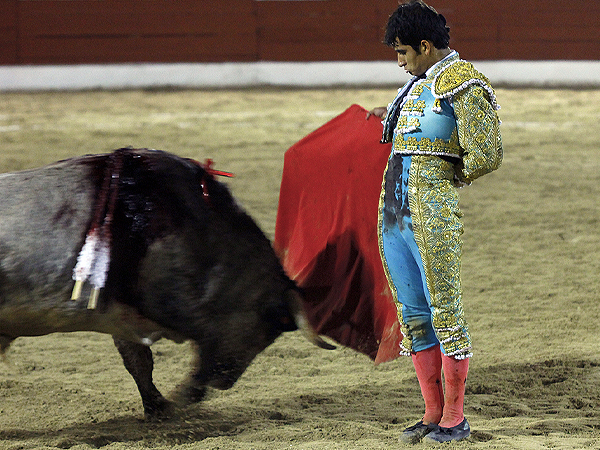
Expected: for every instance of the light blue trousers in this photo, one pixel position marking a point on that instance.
(404, 261)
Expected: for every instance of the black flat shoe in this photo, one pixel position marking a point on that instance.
(414, 434)
(456, 433)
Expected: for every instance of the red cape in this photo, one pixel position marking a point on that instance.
(326, 233)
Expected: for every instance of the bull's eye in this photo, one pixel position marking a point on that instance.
(285, 320)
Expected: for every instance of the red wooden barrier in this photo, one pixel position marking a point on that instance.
(8, 32)
(99, 31)
(113, 31)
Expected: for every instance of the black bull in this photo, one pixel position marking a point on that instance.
(186, 263)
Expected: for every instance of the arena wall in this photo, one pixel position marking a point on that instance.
(59, 32)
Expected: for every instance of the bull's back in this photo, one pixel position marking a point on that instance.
(44, 215)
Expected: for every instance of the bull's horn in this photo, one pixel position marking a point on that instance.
(303, 324)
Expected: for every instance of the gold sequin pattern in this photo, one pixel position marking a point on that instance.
(406, 124)
(411, 145)
(413, 107)
(437, 227)
(479, 133)
(416, 91)
(456, 75)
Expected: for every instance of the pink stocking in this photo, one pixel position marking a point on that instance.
(455, 378)
(428, 365)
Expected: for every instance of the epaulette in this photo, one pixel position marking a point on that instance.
(456, 77)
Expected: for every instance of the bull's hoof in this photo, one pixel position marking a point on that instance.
(186, 395)
(159, 411)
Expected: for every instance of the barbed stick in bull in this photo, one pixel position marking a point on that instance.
(94, 259)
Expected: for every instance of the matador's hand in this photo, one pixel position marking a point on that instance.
(380, 112)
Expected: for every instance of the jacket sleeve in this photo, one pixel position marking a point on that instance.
(478, 133)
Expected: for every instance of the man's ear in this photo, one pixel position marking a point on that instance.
(425, 47)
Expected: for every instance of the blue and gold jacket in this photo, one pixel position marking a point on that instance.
(451, 112)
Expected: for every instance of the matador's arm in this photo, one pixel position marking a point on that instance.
(478, 133)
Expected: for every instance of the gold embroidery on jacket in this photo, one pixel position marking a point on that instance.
(410, 145)
(413, 107)
(407, 124)
(456, 76)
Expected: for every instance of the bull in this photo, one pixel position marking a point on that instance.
(142, 245)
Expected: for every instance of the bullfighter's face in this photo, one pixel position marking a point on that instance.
(415, 63)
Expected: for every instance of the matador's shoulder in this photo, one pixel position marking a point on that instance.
(457, 76)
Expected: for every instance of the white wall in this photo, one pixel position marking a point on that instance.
(324, 74)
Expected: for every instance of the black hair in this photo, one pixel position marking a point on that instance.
(414, 22)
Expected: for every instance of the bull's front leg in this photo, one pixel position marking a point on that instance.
(139, 363)
(215, 365)
(191, 391)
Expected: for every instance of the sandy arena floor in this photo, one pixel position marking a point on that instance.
(530, 274)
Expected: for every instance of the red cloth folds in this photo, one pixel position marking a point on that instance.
(326, 233)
